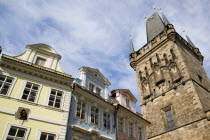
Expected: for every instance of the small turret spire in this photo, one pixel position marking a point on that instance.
(131, 45)
(165, 20)
(190, 42)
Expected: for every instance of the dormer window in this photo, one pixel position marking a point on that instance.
(40, 61)
(91, 87)
(98, 90)
(127, 103)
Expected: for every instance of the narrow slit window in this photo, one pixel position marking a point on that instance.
(170, 119)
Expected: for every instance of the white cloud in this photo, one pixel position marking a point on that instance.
(95, 33)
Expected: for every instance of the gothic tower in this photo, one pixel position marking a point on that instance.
(173, 85)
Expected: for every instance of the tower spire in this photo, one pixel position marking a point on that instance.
(154, 26)
(131, 46)
(189, 41)
(165, 20)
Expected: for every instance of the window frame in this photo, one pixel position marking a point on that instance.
(127, 101)
(95, 115)
(23, 88)
(95, 86)
(12, 84)
(75, 111)
(9, 125)
(40, 56)
(48, 132)
(166, 109)
(62, 99)
(123, 124)
(132, 133)
(110, 119)
(168, 121)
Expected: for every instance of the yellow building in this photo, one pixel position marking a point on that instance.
(35, 95)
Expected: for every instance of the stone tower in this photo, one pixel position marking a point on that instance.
(173, 85)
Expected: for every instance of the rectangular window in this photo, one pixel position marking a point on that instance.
(140, 133)
(91, 87)
(170, 119)
(131, 129)
(94, 115)
(120, 124)
(127, 103)
(55, 98)
(16, 133)
(80, 109)
(30, 92)
(47, 136)
(106, 120)
(40, 61)
(98, 90)
(5, 84)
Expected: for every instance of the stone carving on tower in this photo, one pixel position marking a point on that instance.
(173, 86)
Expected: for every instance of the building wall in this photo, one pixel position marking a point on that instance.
(86, 125)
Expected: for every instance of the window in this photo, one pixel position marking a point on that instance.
(47, 136)
(55, 98)
(91, 87)
(94, 115)
(80, 109)
(120, 124)
(98, 90)
(30, 92)
(127, 103)
(16, 133)
(107, 120)
(131, 129)
(5, 84)
(40, 61)
(200, 78)
(170, 119)
(140, 133)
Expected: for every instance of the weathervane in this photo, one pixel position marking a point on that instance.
(154, 8)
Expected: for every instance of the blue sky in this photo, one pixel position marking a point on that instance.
(95, 33)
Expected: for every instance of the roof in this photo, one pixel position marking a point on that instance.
(105, 80)
(154, 26)
(124, 91)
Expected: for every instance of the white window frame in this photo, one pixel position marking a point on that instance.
(40, 56)
(12, 85)
(14, 125)
(62, 100)
(92, 106)
(75, 110)
(24, 85)
(95, 86)
(48, 132)
(110, 121)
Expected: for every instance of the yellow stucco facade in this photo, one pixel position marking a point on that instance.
(44, 119)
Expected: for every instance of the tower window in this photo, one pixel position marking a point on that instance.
(200, 78)
(40, 61)
(170, 119)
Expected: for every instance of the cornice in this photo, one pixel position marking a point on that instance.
(35, 70)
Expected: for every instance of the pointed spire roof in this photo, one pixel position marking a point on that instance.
(165, 20)
(190, 42)
(154, 26)
(131, 46)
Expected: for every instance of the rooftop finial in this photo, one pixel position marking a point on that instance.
(154, 8)
(160, 9)
(131, 45)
